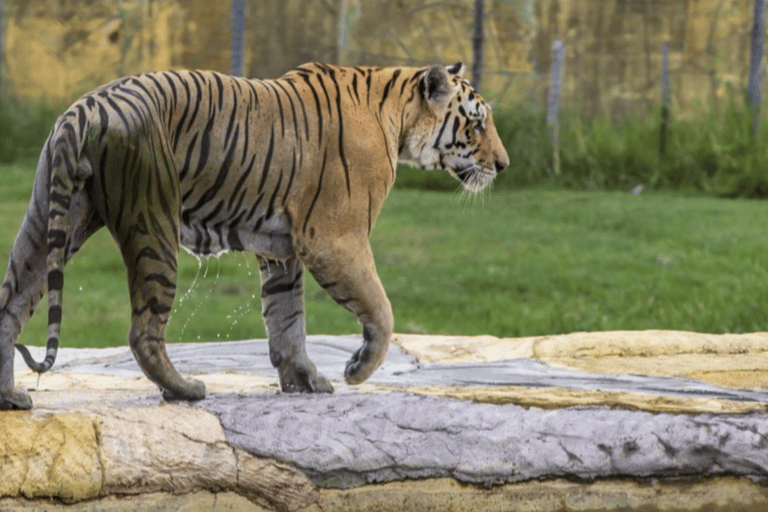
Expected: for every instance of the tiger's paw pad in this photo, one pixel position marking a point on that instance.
(16, 399)
(193, 390)
(299, 378)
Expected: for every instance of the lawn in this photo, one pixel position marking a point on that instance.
(508, 263)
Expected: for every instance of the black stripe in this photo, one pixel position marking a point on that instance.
(205, 146)
(154, 306)
(198, 97)
(61, 199)
(55, 279)
(221, 177)
(387, 88)
(272, 289)
(161, 279)
(343, 157)
(232, 116)
(117, 109)
(220, 86)
(271, 204)
(293, 109)
(246, 134)
(318, 110)
(252, 211)
(214, 213)
(103, 120)
(57, 239)
(81, 120)
(368, 86)
(354, 88)
(268, 159)
(148, 95)
(240, 182)
(188, 158)
(303, 109)
(159, 87)
(370, 213)
(148, 252)
(325, 91)
(317, 193)
(279, 107)
(54, 315)
(290, 180)
(184, 114)
(440, 133)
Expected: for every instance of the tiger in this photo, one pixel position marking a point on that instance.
(294, 170)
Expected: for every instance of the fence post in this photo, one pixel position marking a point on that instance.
(238, 33)
(756, 63)
(553, 101)
(477, 46)
(2, 47)
(665, 97)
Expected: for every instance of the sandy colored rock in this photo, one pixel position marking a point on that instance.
(151, 502)
(50, 455)
(731, 360)
(726, 494)
(179, 448)
(446, 495)
(555, 398)
(168, 447)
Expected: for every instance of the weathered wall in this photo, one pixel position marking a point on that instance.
(58, 50)
(613, 49)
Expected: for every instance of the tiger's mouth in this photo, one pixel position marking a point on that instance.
(474, 178)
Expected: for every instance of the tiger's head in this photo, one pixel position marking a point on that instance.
(453, 130)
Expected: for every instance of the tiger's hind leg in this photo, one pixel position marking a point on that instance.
(282, 305)
(139, 194)
(25, 280)
(150, 259)
(22, 289)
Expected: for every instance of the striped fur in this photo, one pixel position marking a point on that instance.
(294, 170)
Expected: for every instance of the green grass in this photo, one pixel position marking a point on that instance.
(712, 153)
(522, 263)
(25, 127)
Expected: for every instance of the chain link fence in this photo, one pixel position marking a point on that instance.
(58, 49)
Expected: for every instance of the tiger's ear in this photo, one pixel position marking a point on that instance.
(437, 87)
(456, 69)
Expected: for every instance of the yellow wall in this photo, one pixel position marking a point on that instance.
(58, 50)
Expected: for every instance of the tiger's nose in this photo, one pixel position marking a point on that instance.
(501, 165)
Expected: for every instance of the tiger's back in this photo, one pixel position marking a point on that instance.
(294, 170)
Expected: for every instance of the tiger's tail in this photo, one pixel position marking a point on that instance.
(68, 172)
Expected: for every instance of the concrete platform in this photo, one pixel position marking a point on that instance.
(653, 420)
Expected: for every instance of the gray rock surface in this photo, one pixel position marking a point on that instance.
(330, 354)
(348, 440)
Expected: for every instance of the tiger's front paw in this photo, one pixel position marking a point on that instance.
(303, 378)
(192, 390)
(16, 398)
(362, 364)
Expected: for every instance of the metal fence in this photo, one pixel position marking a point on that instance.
(612, 49)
